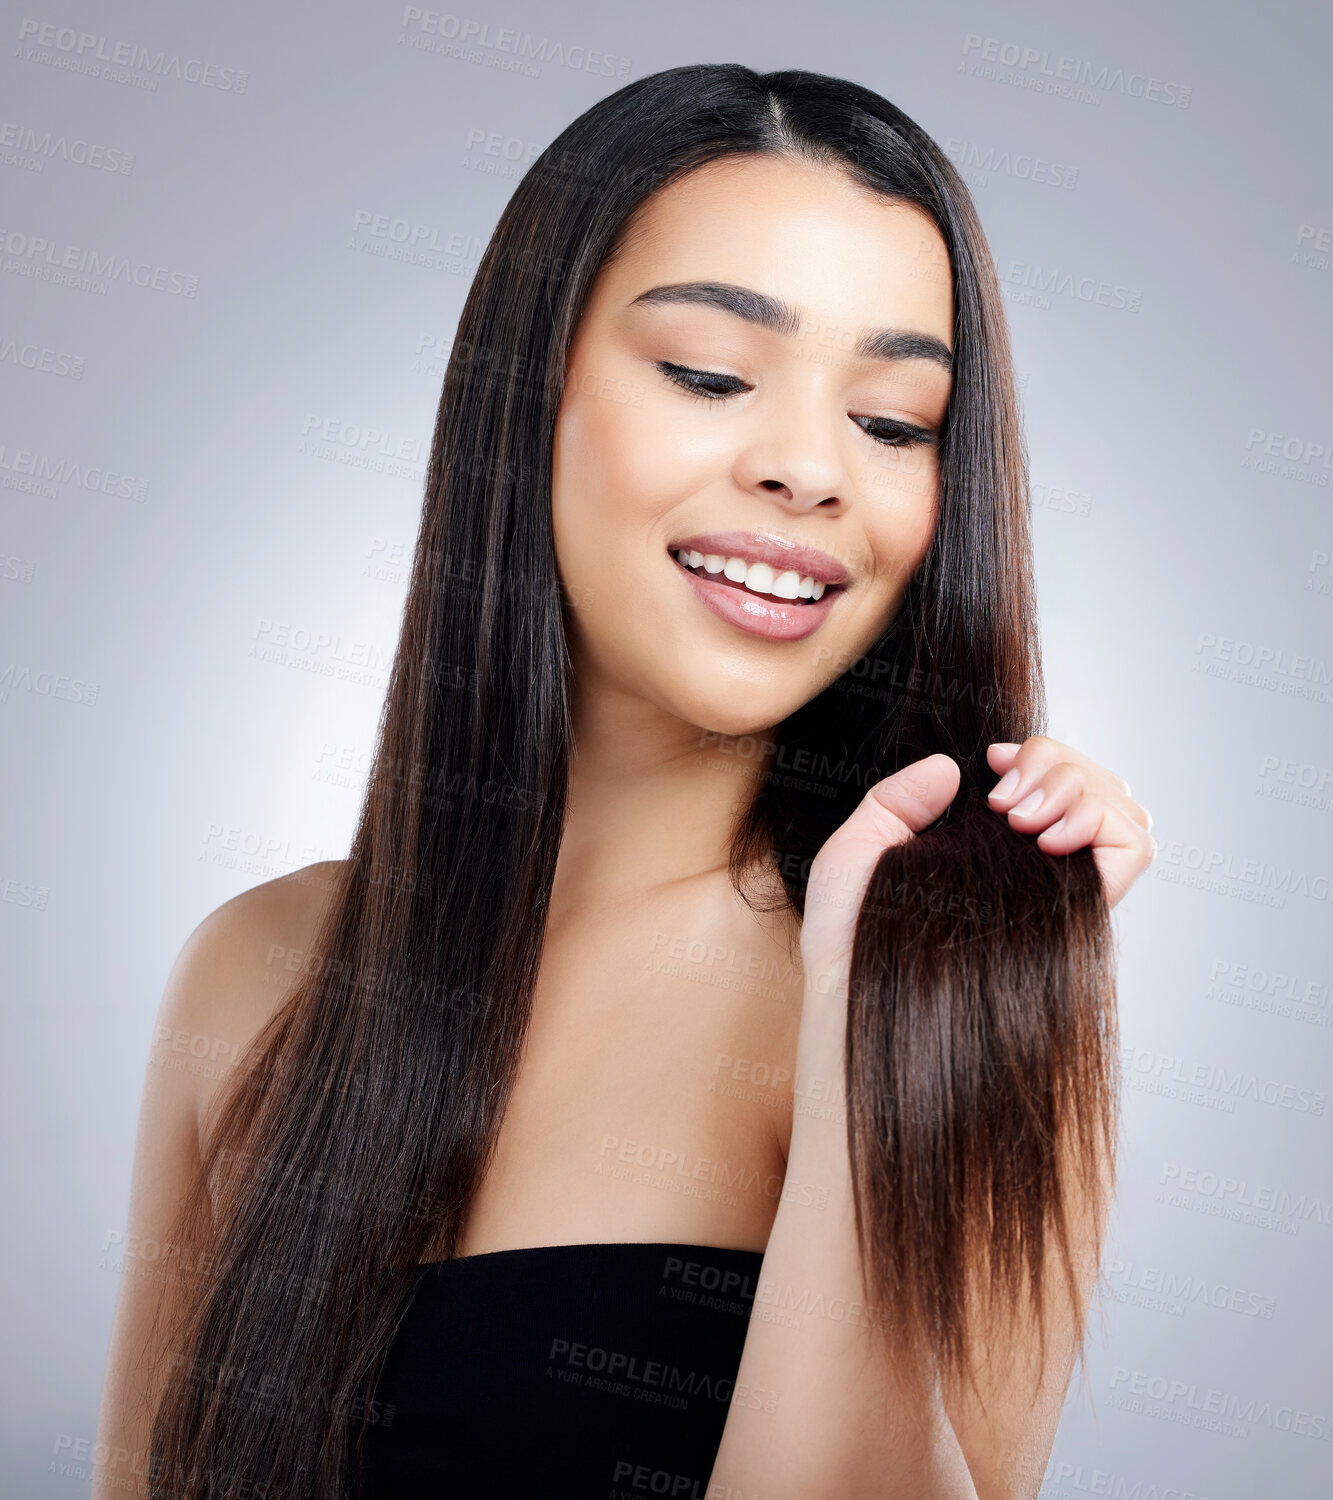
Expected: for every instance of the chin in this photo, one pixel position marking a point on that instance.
(736, 715)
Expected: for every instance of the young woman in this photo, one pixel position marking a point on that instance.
(698, 1080)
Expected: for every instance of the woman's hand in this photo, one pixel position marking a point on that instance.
(891, 812)
(1068, 801)
(1078, 802)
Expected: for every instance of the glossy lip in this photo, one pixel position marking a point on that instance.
(765, 546)
(759, 614)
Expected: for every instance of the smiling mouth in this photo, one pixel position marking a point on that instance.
(758, 578)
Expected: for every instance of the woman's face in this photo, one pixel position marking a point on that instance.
(760, 378)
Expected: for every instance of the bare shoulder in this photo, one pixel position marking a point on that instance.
(235, 969)
(230, 977)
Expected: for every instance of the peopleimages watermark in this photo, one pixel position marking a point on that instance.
(41, 360)
(509, 42)
(1320, 242)
(1163, 1290)
(86, 52)
(1264, 989)
(1179, 860)
(1084, 1481)
(1308, 460)
(1257, 664)
(23, 678)
(401, 231)
(24, 893)
(1202, 1402)
(1035, 285)
(1025, 165)
(36, 473)
(86, 269)
(1166, 1068)
(26, 146)
(362, 445)
(1239, 1199)
(1056, 73)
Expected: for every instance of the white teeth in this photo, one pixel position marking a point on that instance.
(759, 577)
(786, 585)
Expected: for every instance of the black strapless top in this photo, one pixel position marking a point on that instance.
(586, 1371)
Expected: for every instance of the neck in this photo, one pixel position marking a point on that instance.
(652, 799)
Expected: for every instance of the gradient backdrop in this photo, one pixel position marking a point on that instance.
(234, 242)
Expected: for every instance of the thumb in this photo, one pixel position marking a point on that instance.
(910, 799)
(891, 812)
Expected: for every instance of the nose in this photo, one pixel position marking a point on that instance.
(794, 455)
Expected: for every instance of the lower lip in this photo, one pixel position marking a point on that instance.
(759, 614)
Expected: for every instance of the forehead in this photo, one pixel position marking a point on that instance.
(848, 257)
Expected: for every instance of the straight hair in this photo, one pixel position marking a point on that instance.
(980, 1044)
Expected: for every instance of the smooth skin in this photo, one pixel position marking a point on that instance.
(636, 1044)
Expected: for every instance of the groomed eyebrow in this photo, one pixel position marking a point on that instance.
(779, 317)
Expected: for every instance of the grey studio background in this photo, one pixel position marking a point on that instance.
(234, 244)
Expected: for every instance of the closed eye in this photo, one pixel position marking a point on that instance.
(893, 433)
(712, 385)
(708, 384)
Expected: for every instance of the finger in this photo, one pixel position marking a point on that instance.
(1000, 755)
(1138, 813)
(915, 796)
(1121, 848)
(891, 812)
(1049, 799)
(1034, 757)
(1033, 762)
(1055, 792)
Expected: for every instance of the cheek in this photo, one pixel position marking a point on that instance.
(618, 470)
(615, 485)
(900, 526)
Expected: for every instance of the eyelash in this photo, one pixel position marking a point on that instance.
(889, 432)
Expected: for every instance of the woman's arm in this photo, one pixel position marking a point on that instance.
(232, 972)
(817, 1410)
(820, 1406)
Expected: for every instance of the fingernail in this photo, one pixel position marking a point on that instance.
(1006, 783)
(1031, 802)
(1003, 745)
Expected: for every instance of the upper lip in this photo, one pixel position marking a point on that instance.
(779, 552)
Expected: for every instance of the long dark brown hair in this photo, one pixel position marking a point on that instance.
(979, 1043)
